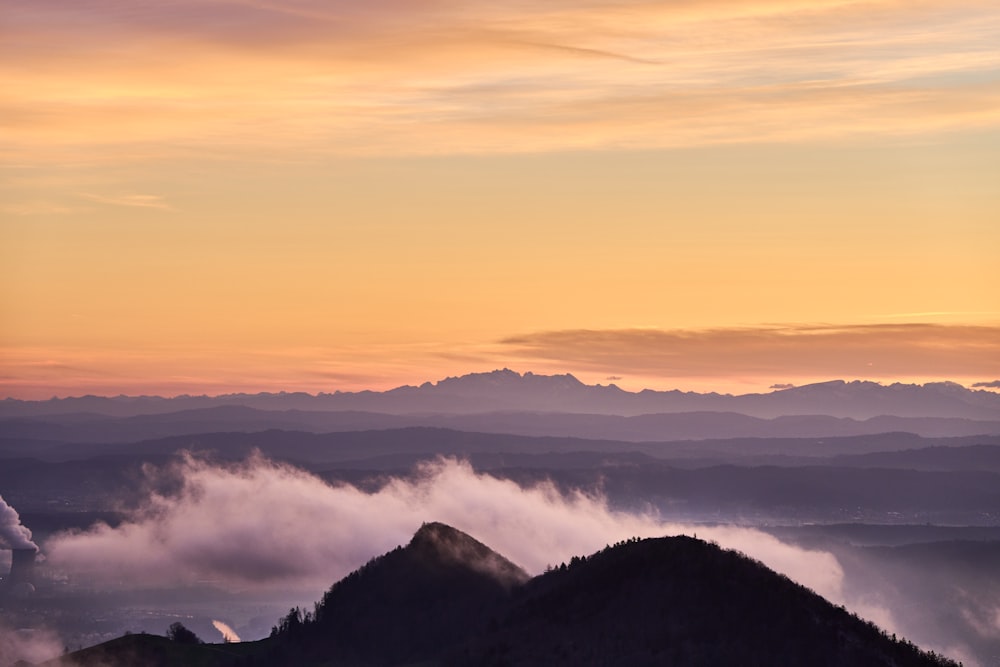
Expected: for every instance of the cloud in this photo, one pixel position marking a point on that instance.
(13, 534)
(784, 385)
(870, 351)
(265, 525)
(169, 369)
(29, 645)
(592, 53)
(137, 201)
(702, 359)
(995, 384)
(332, 78)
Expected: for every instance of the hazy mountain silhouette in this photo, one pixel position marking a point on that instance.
(506, 390)
(425, 442)
(649, 427)
(446, 599)
(984, 457)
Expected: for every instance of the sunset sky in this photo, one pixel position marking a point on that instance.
(206, 196)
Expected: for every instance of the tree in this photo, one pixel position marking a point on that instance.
(178, 633)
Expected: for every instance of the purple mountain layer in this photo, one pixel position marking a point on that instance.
(509, 391)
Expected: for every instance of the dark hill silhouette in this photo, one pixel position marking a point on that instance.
(680, 601)
(405, 606)
(447, 599)
(677, 601)
(150, 651)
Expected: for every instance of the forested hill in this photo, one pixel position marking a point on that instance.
(665, 601)
(680, 601)
(446, 599)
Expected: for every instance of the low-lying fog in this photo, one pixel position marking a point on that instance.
(261, 530)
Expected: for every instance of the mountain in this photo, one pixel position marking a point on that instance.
(506, 390)
(679, 601)
(410, 444)
(406, 606)
(92, 428)
(144, 650)
(447, 599)
(983, 457)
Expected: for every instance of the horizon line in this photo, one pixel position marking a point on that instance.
(986, 387)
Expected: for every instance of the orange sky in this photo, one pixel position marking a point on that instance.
(208, 196)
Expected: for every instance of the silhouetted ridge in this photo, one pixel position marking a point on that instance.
(408, 605)
(447, 599)
(437, 541)
(680, 601)
(507, 390)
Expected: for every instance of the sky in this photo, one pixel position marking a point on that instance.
(207, 196)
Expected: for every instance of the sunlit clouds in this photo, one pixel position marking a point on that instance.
(242, 195)
(247, 78)
(903, 351)
(734, 360)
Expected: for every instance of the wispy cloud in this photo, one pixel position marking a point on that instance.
(499, 77)
(590, 53)
(135, 200)
(978, 314)
(866, 351)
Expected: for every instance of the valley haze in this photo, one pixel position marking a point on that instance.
(218, 509)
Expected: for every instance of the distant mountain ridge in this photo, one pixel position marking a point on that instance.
(506, 390)
(94, 428)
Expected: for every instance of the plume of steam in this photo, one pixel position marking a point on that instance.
(228, 634)
(13, 535)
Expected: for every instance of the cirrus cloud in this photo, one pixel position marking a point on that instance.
(349, 78)
(130, 200)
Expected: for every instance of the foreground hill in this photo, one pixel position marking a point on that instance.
(409, 605)
(446, 599)
(680, 601)
(142, 650)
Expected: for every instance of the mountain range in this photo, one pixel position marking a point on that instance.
(93, 428)
(506, 390)
(917, 456)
